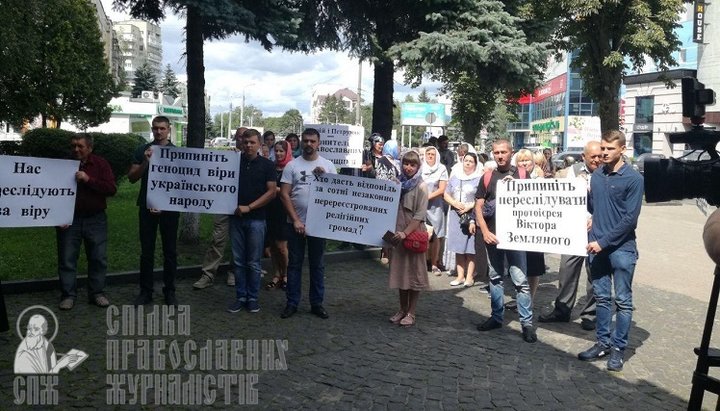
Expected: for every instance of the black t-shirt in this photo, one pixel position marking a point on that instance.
(254, 176)
(489, 193)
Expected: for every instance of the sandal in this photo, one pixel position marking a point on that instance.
(273, 284)
(395, 319)
(408, 320)
(436, 271)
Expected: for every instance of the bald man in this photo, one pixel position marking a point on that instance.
(571, 265)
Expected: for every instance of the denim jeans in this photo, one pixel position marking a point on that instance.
(247, 237)
(167, 221)
(93, 231)
(517, 267)
(609, 269)
(316, 251)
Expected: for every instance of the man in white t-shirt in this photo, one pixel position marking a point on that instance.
(295, 185)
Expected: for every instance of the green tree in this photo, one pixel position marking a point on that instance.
(169, 83)
(606, 35)
(423, 97)
(145, 80)
(52, 63)
(333, 111)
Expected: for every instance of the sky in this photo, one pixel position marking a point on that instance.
(273, 81)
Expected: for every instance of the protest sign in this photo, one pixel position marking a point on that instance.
(341, 144)
(37, 192)
(193, 180)
(545, 215)
(354, 209)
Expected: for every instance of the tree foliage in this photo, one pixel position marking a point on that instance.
(52, 63)
(605, 35)
(290, 122)
(333, 111)
(169, 83)
(145, 80)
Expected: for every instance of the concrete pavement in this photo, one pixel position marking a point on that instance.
(357, 359)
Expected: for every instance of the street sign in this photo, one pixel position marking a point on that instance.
(423, 114)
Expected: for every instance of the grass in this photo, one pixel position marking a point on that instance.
(31, 253)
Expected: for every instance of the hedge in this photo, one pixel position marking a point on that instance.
(116, 148)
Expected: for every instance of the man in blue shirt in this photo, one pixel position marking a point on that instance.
(616, 193)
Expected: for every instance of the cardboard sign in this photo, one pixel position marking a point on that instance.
(341, 143)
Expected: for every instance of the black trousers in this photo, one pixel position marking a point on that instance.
(167, 222)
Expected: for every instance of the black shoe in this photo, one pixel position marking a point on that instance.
(529, 334)
(320, 311)
(512, 306)
(171, 299)
(489, 324)
(554, 316)
(288, 312)
(615, 363)
(144, 298)
(587, 325)
(593, 353)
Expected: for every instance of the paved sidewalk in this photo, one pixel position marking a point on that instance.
(358, 360)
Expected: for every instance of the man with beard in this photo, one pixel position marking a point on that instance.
(35, 354)
(295, 195)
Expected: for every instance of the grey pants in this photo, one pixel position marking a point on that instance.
(569, 277)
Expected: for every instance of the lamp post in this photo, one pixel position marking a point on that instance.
(242, 108)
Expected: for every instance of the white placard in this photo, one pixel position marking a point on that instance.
(546, 215)
(342, 144)
(354, 209)
(193, 180)
(37, 192)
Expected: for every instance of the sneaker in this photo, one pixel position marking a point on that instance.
(100, 300)
(489, 324)
(237, 306)
(145, 297)
(615, 363)
(253, 306)
(587, 325)
(593, 353)
(203, 282)
(529, 334)
(67, 303)
(485, 288)
(512, 306)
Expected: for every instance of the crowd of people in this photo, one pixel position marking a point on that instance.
(448, 195)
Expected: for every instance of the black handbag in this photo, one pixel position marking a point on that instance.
(465, 223)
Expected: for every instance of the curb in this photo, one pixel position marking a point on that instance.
(129, 277)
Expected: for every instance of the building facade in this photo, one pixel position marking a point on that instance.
(139, 42)
(321, 92)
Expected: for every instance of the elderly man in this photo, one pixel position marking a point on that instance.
(571, 265)
(95, 182)
(35, 354)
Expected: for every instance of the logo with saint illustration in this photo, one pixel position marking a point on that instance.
(36, 354)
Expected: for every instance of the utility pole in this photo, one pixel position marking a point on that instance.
(230, 119)
(222, 124)
(357, 107)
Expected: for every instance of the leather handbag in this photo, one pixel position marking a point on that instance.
(416, 242)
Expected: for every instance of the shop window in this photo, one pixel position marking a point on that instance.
(644, 108)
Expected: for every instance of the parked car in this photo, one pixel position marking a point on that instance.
(558, 159)
(639, 163)
(219, 142)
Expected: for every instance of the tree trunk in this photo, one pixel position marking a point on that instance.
(382, 120)
(609, 111)
(190, 222)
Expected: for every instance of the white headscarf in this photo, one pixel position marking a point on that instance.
(436, 172)
(460, 172)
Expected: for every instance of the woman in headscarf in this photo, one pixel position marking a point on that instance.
(407, 269)
(387, 167)
(460, 195)
(277, 227)
(434, 174)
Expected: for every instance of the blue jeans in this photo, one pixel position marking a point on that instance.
(316, 251)
(93, 231)
(517, 267)
(608, 269)
(247, 237)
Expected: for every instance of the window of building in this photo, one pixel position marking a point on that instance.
(642, 143)
(644, 108)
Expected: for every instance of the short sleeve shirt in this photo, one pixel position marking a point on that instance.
(253, 178)
(299, 174)
(138, 158)
(489, 193)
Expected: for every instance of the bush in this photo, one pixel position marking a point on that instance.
(10, 148)
(116, 148)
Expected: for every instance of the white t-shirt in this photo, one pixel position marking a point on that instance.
(299, 174)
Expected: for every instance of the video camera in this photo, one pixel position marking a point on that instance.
(696, 173)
